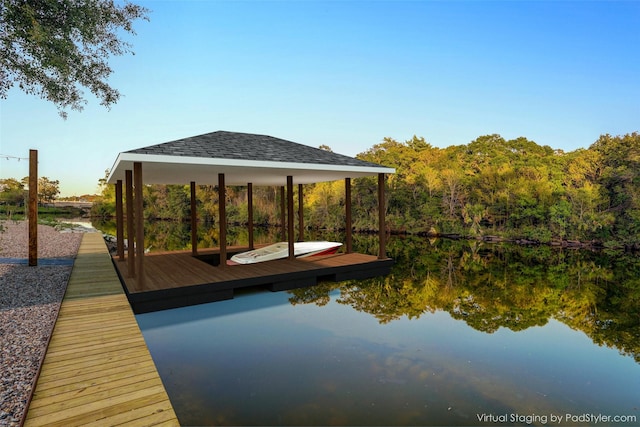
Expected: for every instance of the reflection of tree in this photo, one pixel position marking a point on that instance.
(614, 293)
(318, 295)
(494, 286)
(385, 299)
(176, 235)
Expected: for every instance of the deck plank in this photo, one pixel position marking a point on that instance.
(176, 279)
(98, 370)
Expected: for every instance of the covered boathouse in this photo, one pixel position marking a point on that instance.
(158, 281)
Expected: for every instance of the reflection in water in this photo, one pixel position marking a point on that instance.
(493, 286)
(456, 331)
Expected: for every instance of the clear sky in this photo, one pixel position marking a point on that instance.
(347, 74)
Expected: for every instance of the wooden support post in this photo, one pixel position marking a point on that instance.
(139, 215)
(222, 196)
(33, 208)
(250, 211)
(300, 214)
(131, 255)
(119, 221)
(348, 226)
(283, 232)
(194, 221)
(382, 232)
(290, 219)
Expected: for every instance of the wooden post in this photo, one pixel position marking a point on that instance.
(33, 208)
(290, 218)
(128, 183)
(139, 208)
(194, 221)
(283, 226)
(250, 211)
(223, 220)
(382, 232)
(119, 221)
(347, 204)
(300, 214)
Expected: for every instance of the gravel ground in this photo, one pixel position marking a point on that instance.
(30, 298)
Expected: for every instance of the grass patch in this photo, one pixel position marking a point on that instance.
(18, 213)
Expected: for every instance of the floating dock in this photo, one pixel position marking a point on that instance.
(178, 279)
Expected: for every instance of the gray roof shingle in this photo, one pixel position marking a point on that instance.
(246, 146)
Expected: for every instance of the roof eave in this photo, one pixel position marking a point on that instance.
(252, 168)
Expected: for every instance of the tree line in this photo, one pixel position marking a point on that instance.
(14, 192)
(491, 188)
(516, 189)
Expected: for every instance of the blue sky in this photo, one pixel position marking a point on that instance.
(347, 74)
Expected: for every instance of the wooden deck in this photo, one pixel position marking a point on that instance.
(98, 370)
(178, 279)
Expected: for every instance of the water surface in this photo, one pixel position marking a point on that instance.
(456, 335)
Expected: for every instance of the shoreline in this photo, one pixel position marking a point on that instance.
(30, 298)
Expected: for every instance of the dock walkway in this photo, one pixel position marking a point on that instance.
(97, 369)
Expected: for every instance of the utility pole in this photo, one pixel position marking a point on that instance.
(33, 208)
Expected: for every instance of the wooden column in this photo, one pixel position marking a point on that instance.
(222, 196)
(139, 215)
(382, 232)
(348, 226)
(128, 184)
(250, 212)
(290, 219)
(33, 208)
(119, 221)
(300, 214)
(283, 232)
(194, 221)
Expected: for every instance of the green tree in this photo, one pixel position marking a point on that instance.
(105, 205)
(620, 176)
(12, 191)
(325, 202)
(453, 190)
(48, 190)
(560, 219)
(53, 48)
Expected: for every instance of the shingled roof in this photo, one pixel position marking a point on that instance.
(243, 158)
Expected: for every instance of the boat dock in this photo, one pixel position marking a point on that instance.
(177, 279)
(161, 281)
(97, 369)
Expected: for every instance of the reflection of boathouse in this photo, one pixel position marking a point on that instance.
(165, 280)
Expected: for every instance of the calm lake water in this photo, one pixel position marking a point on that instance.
(458, 334)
